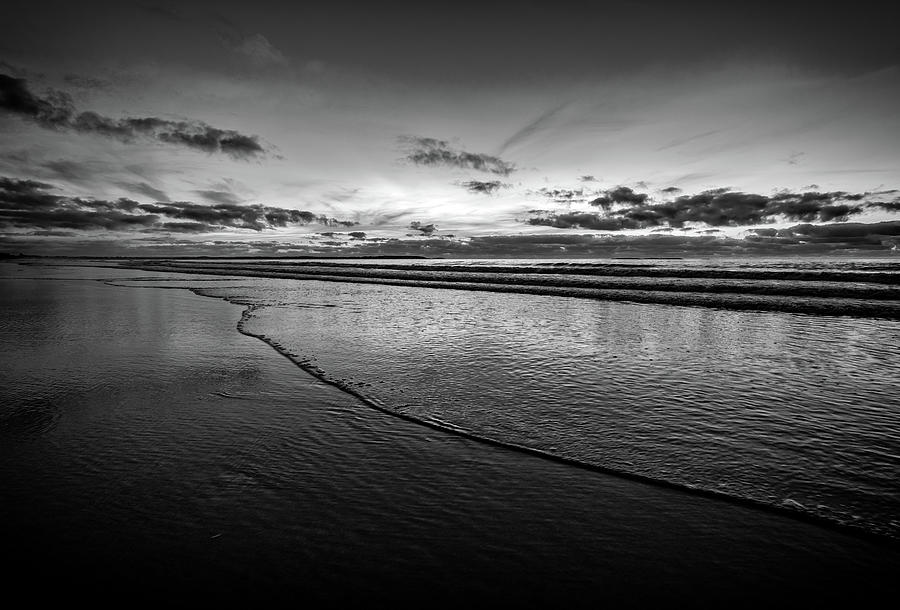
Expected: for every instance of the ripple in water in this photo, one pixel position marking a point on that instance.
(28, 419)
(791, 411)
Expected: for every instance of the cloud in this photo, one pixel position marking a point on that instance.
(847, 234)
(259, 52)
(583, 220)
(587, 178)
(623, 208)
(73, 171)
(435, 153)
(620, 194)
(425, 229)
(186, 227)
(86, 82)
(486, 188)
(542, 122)
(53, 112)
(715, 208)
(29, 205)
(255, 217)
(563, 195)
(219, 196)
(849, 238)
(56, 111)
(721, 207)
(142, 188)
(888, 206)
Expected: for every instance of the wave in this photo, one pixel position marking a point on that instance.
(787, 506)
(820, 292)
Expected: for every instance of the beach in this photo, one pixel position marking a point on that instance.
(151, 449)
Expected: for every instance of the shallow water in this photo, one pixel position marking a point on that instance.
(145, 444)
(793, 411)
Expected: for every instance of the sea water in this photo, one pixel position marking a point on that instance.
(774, 382)
(148, 446)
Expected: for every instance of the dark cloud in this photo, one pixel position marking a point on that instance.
(432, 152)
(425, 229)
(846, 234)
(186, 227)
(584, 220)
(53, 112)
(56, 111)
(28, 204)
(587, 178)
(74, 216)
(671, 190)
(622, 208)
(256, 217)
(219, 196)
(722, 207)
(620, 194)
(486, 188)
(357, 234)
(888, 206)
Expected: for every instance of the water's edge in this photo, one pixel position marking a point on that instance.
(784, 510)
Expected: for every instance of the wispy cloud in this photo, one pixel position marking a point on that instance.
(86, 82)
(226, 197)
(542, 122)
(142, 188)
(257, 51)
(439, 153)
(56, 111)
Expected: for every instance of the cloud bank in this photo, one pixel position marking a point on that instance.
(28, 205)
(622, 208)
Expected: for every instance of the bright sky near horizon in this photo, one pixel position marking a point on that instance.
(228, 128)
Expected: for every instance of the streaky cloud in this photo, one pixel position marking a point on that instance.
(142, 188)
(438, 153)
(219, 196)
(531, 128)
(56, 111)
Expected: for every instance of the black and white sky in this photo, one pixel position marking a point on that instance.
(221, 127)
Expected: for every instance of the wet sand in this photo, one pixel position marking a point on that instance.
(148, 449)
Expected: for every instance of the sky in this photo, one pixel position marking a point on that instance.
(530, 129)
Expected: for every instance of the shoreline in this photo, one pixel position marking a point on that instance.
(478, 513)
(784, 510)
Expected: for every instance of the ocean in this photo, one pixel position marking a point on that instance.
(627, 430)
